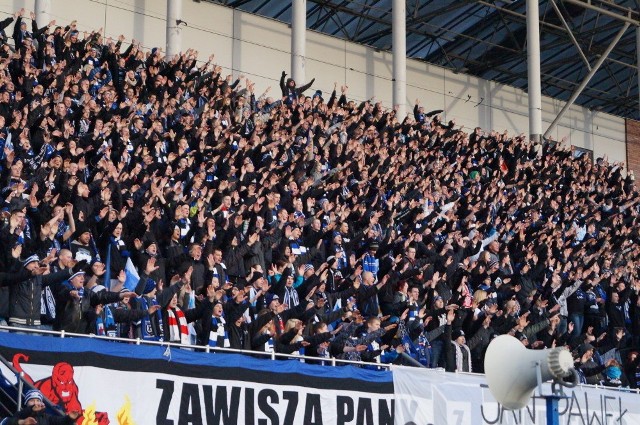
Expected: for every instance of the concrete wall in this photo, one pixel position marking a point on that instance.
(259, 48)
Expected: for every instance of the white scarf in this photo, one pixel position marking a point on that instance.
(460, 357)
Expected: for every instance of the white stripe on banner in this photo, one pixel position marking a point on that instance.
(414, 400)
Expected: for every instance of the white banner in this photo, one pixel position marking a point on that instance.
(431, 397)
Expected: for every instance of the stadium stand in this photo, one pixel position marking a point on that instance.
(157, 198)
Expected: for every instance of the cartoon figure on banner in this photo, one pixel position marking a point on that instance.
(60, 388)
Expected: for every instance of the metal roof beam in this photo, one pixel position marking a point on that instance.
(570, 33)
(237, 3)
(588, 5)
(586, 80)
(521, 16)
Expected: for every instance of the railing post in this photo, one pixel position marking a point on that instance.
(20, 387)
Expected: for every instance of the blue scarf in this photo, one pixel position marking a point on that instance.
(108, 325)
(146, 328)
(219, 336)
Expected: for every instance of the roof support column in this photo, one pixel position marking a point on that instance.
(174, 18)
(42, 9)
(588, 78)
(533, 70)
(298, 40)
(399, 46)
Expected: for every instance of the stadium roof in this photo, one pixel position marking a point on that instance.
(487, 38)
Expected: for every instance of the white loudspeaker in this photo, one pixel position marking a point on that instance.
(511, 369)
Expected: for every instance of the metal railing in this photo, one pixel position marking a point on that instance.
(200, 348)
(270, 355)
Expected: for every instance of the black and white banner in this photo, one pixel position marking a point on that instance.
(128, 384)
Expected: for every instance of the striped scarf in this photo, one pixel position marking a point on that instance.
(291, 296)
(178, 329)
(460, 363)
(218, 336)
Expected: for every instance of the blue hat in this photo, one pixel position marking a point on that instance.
(271, 297)
(490, 301)
(149, 286)
(33, 394)
(613, 372)
(76, 274)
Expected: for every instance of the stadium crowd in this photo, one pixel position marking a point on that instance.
(155, 197)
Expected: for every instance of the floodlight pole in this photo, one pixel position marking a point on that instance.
(533, 71)
(174, 20)
(298, 40)
(42, 9)
(399, 49)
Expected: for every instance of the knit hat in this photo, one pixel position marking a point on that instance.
(76, 274)
(271, 297)
(584, 348)
(148, 243)
(457, 334)
(255, 277)
(31, 259)
(33, 394)
(80, 229)
(613, 372)
(308, 267)
(149, 286)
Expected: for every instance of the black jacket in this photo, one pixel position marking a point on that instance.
(77, 316)
(42, 418)
(25, 297)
